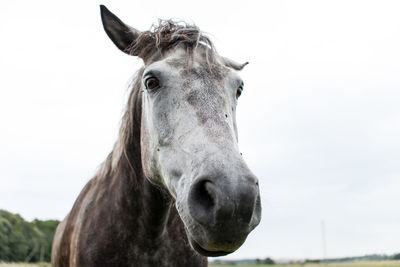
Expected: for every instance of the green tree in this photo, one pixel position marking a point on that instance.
(48, 229)
(269, 261)
(5, 230)
(25, 241)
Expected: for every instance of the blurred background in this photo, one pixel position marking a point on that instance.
(319, 118)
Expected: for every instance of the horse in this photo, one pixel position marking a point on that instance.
(175, 188)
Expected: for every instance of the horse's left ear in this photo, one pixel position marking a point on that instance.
(232, 64)
(122, 35)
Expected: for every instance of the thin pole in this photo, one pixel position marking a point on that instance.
(323, 240)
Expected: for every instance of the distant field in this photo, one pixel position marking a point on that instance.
(344, 264)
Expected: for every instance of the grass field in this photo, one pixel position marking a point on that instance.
(343, 264)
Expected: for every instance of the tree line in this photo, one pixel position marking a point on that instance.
(21, 240)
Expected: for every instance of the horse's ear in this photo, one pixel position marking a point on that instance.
(232, 64)
(122, 35)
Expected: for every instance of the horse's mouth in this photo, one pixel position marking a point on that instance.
(205, 252)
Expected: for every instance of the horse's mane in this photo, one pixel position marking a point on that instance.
(167, 35)
(125, 156)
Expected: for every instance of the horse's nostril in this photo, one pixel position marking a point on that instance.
(202, 201)
(206, 195)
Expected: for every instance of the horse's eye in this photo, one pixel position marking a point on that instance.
(239, 91)
(152, 83)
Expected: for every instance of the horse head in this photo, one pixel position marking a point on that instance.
(188, 136)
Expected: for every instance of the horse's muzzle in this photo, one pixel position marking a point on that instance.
(224, 210)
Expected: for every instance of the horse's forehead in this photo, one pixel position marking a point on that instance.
(197, 62)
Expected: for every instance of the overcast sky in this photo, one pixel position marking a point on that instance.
(319, 120)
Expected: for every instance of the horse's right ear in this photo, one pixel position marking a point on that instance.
(122, 35)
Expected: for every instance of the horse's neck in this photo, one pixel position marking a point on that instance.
(154, 226)
(145, 204)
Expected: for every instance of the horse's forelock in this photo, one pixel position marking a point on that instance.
(167, 35)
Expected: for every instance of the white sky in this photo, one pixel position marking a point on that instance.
(319, 121)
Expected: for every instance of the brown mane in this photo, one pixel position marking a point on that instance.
(167, 35)
(125, 156)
